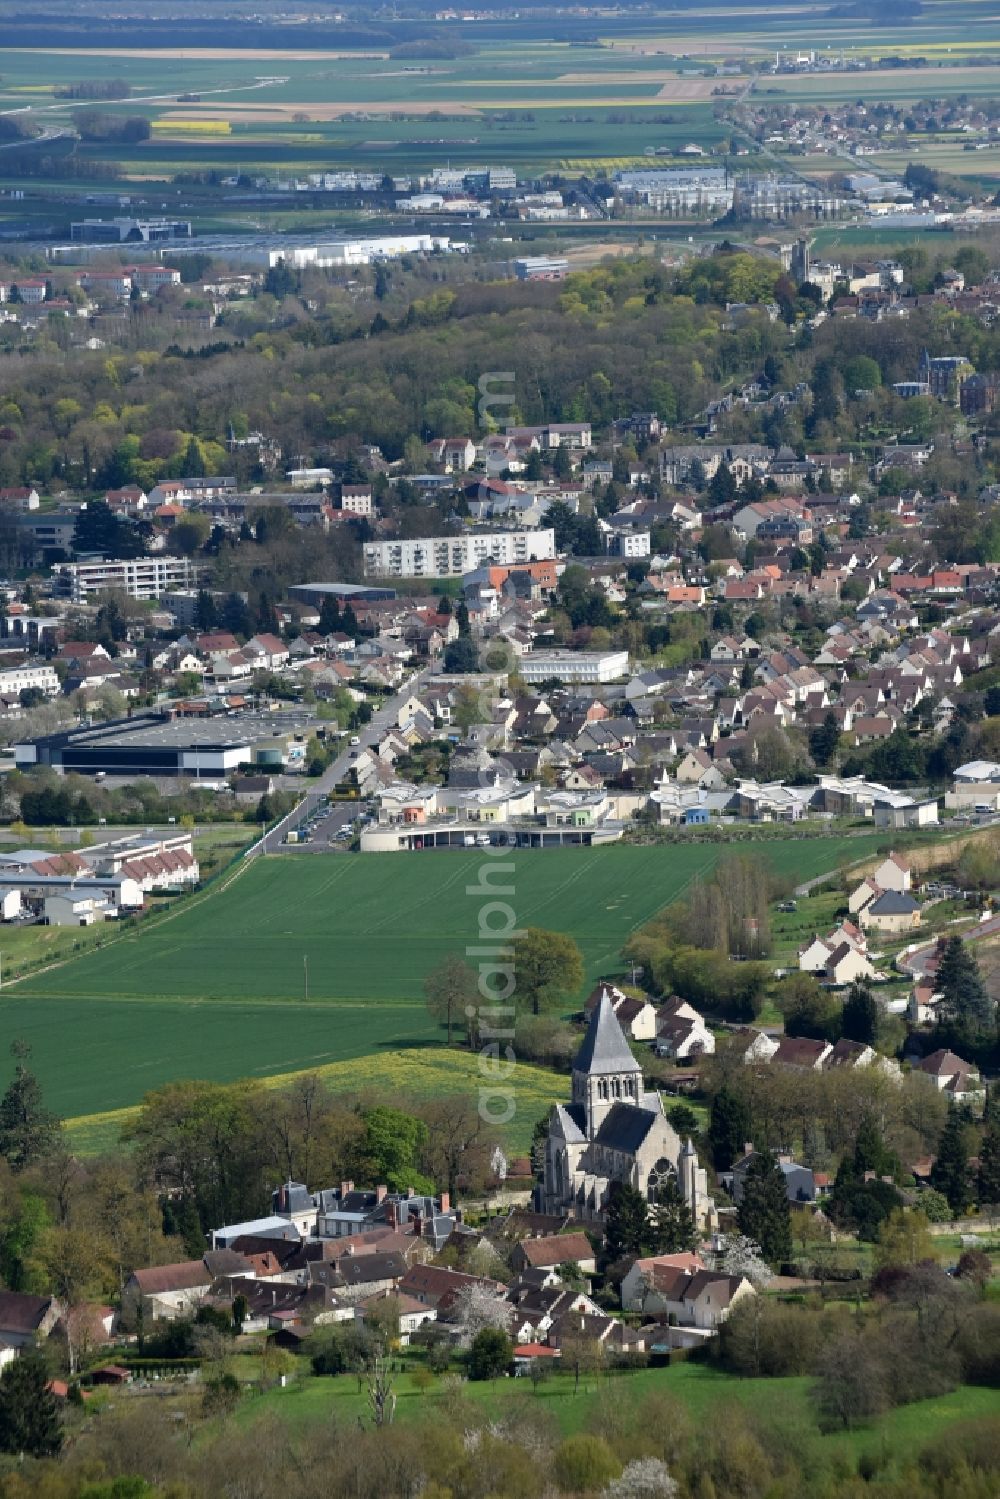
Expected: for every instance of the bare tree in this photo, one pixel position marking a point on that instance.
(452, 988)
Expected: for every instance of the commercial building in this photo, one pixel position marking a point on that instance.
(154, 744)
(348, 593)
(273, 250)
(573, 666)
(451, 556)
(120, 231)
(540, 268)
(678, 190)
(139, 577)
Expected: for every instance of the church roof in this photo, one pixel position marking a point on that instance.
(604, 1048)
(625, 1127)
(572, 1120)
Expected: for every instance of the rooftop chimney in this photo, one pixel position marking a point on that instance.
(445, 1202)
(346, 1187)
(409, 1192)
(747, 1147)
(381, 1193)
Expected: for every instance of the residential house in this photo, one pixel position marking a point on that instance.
(24, 1321)
(953, 1075)
(681, 1032)
(891, 911)
(801, 1051)
(165, 1292)
(637, 1017)
(553, 1250)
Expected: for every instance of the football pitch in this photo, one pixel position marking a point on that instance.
(305, 961)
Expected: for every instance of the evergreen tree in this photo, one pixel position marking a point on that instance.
(28, 1131)
(349, 622)
(626, 1229)
(859, 1021)
(330, 622)
(950, 1172)
(206, 616)
(870, 1152)
(462, 619)
(236, 616)
(29, 1416)
(823, 740)
(728, 1128)
(966, 1010)
(988, 1184)
(671, 1226)
(764, 1214)
(267, 619)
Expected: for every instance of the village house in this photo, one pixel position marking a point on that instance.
(554, 1250)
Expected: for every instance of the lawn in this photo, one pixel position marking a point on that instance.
(217, 988)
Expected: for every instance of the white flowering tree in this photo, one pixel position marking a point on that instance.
(740, 1255)
(645, 1478)
(478, 1307)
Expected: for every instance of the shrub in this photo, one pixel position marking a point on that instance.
(584, 1463)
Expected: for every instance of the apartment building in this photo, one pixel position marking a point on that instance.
(451, 556)
(139, 577)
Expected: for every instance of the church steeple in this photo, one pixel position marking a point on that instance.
(605, 1071)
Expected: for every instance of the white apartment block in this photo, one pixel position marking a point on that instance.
(15, 679)
(139, 577)
(573, 666)
(451, 556)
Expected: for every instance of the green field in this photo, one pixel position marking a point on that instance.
(771, 1405)
(216, 989)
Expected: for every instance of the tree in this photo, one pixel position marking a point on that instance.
(451, 989)
(190, 533)
(206, 616)
(683, 1119)
(391, 1147)
(477, 1309)
(642, 1478)
(461, 656)
(764, 1214)
(728, 1128)
(965, 1008)
(585, 1463)
(548, 970)
(490, 1354)
(950, 1172)
(671, 1225)
(626, 1224)
(989, 1164)
(852, 1381)
(381, 1395)
(824, 739)
(28, 1131)
(859, 1020)
(29, 1416)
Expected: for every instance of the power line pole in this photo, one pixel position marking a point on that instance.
(305, 969)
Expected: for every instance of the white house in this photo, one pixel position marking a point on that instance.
(893, 874)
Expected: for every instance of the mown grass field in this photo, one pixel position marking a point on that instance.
(217, 988)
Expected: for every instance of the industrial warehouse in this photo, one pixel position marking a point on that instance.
(160, 744)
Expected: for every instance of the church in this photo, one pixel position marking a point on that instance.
(614, 1131)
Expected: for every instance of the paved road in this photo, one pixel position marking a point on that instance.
(316, 791)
